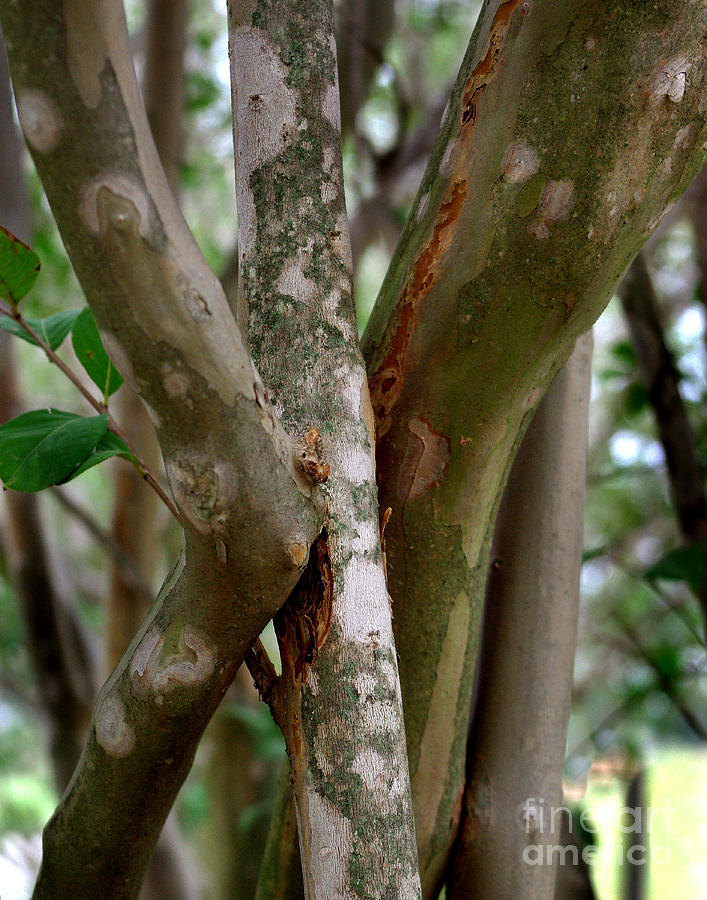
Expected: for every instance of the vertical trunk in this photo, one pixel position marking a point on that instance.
(339, 697)
(510, 817)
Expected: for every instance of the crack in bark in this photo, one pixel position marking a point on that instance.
(302, 624)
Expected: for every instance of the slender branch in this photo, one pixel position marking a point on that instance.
(121, 559)
(666, 684)
(98, 405)
(672, 422)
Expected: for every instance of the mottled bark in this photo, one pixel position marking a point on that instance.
(138, 518)
(167, 326)
(338, 701)
(570, 130)
(675, 431)
(60, 659)
(517, 743)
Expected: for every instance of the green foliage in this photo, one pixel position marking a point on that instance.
(681, 564)
(19, 267)
(46, 447)
(92, 356)
(51, 329)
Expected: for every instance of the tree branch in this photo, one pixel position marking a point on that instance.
(517, 742)
(167, 327)
(523, 224)
(342, 710)
(675, 432)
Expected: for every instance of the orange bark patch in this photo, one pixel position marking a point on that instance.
(303, 622)
(386, 384)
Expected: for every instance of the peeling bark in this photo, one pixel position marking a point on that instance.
(339, 703)
(527, 217)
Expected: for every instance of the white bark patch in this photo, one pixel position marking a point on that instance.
(447, 162)
(192, 663)
(328, 191)
(671, 79)
(555, 204)
(520, 163)
(292, 282)
(175, 383)
(265, 116)
(424, 203)
(365, 685)
(373, 770)
(363, 608)
(428, 782)
(40, 120)
(434, 460)
(330, 106)
(366, 539)
(123, 186)
(332, 844)
(112, 730)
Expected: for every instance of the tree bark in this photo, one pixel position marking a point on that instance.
(510, 816)
(338, 700)
(167, 327)
(531, 208)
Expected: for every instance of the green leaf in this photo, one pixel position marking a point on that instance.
(19, 267)
(52, 329)
(89, 350)
(109, 445)
(44, 447)
(681, 564)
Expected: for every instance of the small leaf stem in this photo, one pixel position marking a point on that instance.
(101, 407)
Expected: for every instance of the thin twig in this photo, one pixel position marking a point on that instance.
(128, 570)
(98, 405)
(266, 679)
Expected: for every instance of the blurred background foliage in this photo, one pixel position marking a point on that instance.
(641, 673)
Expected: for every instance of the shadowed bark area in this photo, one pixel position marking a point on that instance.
(517, 742)
(167, 326)
(59, 656)
(675, 431)
(529, 213)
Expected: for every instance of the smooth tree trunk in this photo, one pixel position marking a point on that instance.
(512, 803)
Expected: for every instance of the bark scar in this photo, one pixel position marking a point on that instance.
(302, 624)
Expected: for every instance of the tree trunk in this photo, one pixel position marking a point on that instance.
(510, 819)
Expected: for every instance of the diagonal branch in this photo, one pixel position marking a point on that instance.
(166, 325)
(524, 222)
